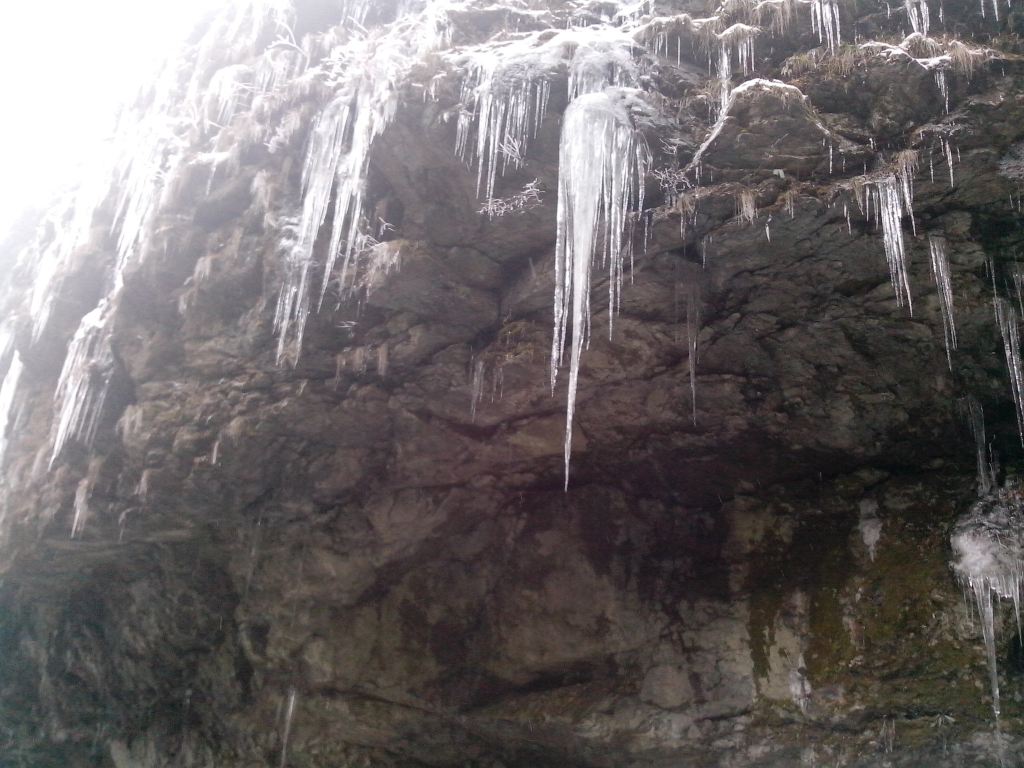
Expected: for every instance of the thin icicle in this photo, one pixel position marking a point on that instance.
(917, 12)
(943, 85)
(476, 387)
(888, 196)
(738, 41)
(974, 414)
(286, 731)
(1009, 328)
(906, 166)
(746, 207)
(506, 115)
(943, 285)
(8, 402)
(602, 165)
(81, 507)
(948, 153)
(338, 161)
(692, 341)
(825, 21)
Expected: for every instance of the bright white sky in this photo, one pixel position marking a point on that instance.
(65, 66)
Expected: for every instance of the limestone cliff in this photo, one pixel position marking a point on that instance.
(284, 467)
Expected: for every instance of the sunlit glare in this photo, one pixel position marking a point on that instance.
(65, 66)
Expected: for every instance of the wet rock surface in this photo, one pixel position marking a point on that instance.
(368, 558)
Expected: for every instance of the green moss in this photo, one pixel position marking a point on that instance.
(817, 562)
(767, 590)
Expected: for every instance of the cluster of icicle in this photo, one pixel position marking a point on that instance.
(144, 162)
(886, 201)
(367, 71)
(988, 549)
(250, 77)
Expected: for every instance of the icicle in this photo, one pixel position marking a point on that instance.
(906, 165)
(506, 117)
(692, 340)
(602, 164)
(148, 171)
(338, 160)
(223, 94)
(940, 271)
(949, 159)
(289, 713)
(988, 547)
(746, 207)
(1009, 328)
(789, 202)
(724, 75)
(943, 86)
(917, 12)
(476, 387)
(84, 381)
(973, 413)
(738, 38)
(8, 402)
(81, 507)
(888, 201)
(825, 21)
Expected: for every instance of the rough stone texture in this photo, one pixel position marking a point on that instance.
(346, 530)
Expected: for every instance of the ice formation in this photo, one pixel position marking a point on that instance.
(602, 164)
(917, 12)
(825, 21)
(1008, 321)
(943, 285)
(888, 199)
(506, 89)
(368, 72)
(988, 549)
(476, 387)
(506, 117)
(870, 526)
(9, 402)
(249, 81)
(286, 727)
(81, 507)
(692, 343)
(735, 42)
(974, 415)
(84, 380)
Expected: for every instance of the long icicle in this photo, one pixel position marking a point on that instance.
(943, 284)
(602, 163)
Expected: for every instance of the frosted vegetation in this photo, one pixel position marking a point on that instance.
(247, 82)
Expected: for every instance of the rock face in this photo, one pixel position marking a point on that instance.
(360, 552)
